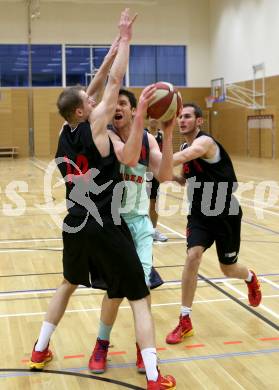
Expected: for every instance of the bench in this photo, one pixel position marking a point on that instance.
(8, 151)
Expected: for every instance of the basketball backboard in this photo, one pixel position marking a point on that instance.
(218, 89)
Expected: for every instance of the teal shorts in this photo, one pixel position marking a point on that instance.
(142, 231)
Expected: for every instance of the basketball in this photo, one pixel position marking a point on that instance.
(166, 103)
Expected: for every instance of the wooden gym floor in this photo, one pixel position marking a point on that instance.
(234, 346)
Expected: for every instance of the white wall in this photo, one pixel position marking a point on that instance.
(243, 33)
(183, 22)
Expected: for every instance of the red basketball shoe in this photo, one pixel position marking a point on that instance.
(40, 358)
(162, 383)
(254, 291)
(98, 360)
(183, 329)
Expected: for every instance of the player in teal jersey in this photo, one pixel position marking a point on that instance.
(145, 156)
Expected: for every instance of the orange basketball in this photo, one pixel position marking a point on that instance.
(166, 103)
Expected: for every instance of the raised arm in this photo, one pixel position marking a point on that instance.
(103, 113)
(97, 84)
(201, 147)
(161, 164)
(128, 153)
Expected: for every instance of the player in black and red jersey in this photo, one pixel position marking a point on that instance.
(214, 213)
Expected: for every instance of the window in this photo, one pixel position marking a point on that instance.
(98, 56)
(77, 65)
(149, 64)
(46, 65)
(13, 65)
(142, 66)
(81, 62)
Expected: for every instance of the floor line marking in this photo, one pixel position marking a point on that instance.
(265, 308)
(269, 282)
(154, 305)
(171, 230)
(241, 294)
(74, 356)
(268, 338)
(29, 240)
(226, 355)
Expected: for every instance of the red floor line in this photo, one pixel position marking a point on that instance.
(74, 356)
(164, 349)
(269, 338)
(194, 346)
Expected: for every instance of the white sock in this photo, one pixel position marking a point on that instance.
(46, 331)
(250, 276)
(185, 311)
(149, 356)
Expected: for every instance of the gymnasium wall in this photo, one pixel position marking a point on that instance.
(86, 22)
(228, 123)
(182, 22)
(243, 33)
(14, 119)
(220, 42)
(47, 122)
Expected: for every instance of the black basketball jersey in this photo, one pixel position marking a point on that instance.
(210, 182)
(89, 178)
(159, 139)
(144, 153)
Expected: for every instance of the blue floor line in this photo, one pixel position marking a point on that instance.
(162, 361)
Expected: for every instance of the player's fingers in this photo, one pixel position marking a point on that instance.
(150, 94)
(126, 14)
(149, 87)
(134, 18)
(123, 16)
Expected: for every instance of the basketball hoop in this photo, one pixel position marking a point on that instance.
(209, 100)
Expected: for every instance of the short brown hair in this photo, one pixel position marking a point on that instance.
(68, 101)
(197, 109)
(130, 95)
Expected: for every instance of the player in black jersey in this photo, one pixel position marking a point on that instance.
(96, 240)
(154, 184)
(135, 206)
(214, 213)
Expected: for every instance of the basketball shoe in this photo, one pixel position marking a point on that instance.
(139, 363)
(254, 291)
(98, 360)
(158, 236)
(162, 383)
(155, 279)
(183, 329)
(40, 358)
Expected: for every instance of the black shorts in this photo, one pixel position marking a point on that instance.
(154, 188)
(104, 251)
(223, 230)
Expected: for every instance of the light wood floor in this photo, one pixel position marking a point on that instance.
(233, 347)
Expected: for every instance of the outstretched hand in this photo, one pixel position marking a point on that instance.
(125, 24)
(145, 98)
